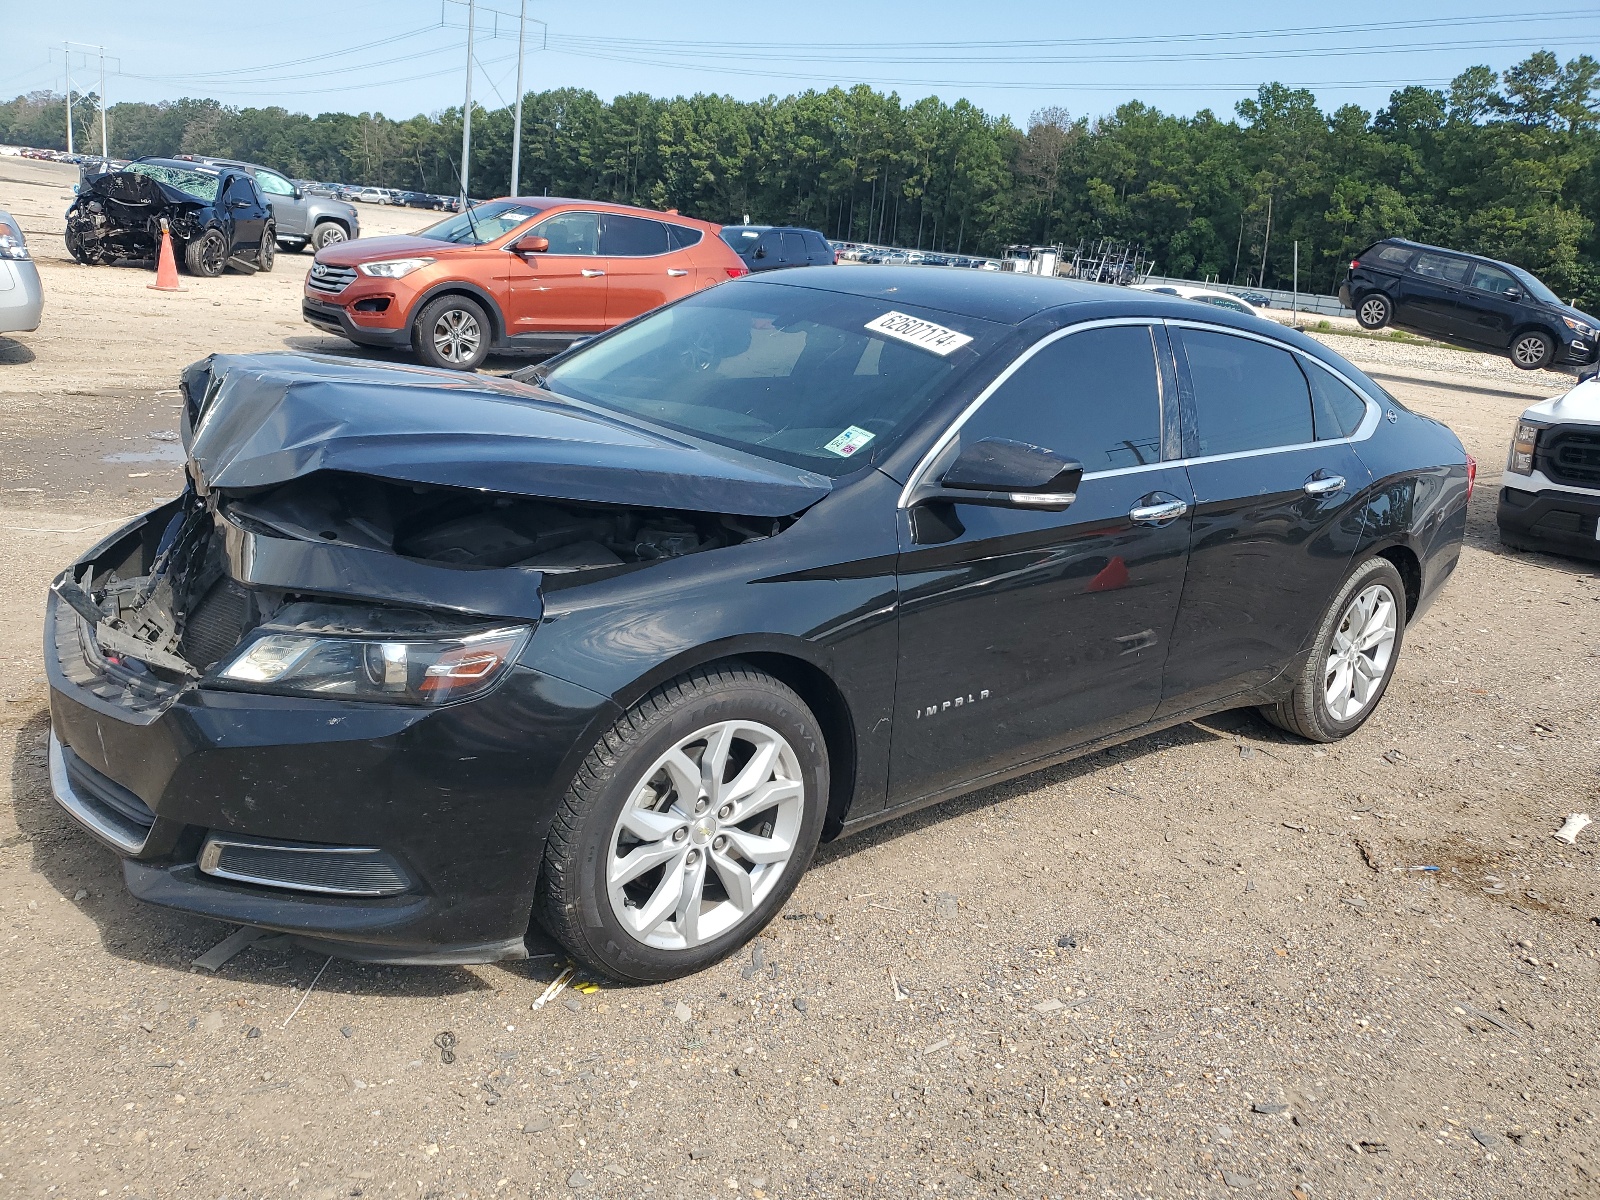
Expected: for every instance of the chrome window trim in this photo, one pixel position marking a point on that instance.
(949, 435)
(1365, 430)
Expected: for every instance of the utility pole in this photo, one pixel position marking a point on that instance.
(516, 136)
(466, 109)
(66, 53)
(1265, 242)
(105, 157)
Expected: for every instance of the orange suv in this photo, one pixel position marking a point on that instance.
(527, 275)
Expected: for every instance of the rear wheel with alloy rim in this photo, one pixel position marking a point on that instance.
(1532, 350)
(267, 255)
(1374, 311)
(452, 332)
(1353, 659)
(687, 827)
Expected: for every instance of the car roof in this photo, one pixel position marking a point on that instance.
(1410, 245)
(778, 229)
(606, 206)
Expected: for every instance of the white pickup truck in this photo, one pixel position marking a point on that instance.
(1550, 495)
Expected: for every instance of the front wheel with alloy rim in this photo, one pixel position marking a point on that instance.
(1532, 350)
(1353, 658)
(327, 233)
(207, 255)
(267, 255)
(1374, 311)
(452, 332)
(687, 827)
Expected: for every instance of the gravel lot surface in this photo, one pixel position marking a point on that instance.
(1213, 962)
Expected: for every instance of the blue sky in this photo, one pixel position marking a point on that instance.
(401, 57)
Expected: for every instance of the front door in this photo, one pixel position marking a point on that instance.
(1491, 310)
(1430, 293)
(1277, 515)
(1025, 632)
(246, 212)
(561, 289)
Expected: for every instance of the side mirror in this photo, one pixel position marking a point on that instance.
(761, 252)
(1001, 473)
(533, 245)
(1512, 293)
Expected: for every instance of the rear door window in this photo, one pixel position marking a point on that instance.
(1247, 395)
(1446, 268)
(1093, 396)
(1336, 408)
(819, 246)
(794, 248)
(632, 237)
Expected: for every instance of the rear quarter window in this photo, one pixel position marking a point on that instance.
(1394, 256)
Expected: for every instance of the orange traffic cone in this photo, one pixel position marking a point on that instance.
(166, 265)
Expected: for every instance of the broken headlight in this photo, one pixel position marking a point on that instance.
(403, 668)
(393, 268)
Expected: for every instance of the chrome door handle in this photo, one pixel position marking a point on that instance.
(1156, 514)
(588, 274)
(1324, 487)
(676, 273)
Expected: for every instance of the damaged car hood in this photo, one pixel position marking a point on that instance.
(259, 420)
(130, 187)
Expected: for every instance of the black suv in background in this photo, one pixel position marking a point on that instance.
(768, 247)
(1469, 300)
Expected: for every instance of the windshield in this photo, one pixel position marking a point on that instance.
(484, 223)
(787, 372)
(1535, 289)
(202, 185)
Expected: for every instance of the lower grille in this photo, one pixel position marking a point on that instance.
(336, 870)
(1571, 456)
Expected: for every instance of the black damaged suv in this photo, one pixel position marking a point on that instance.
(1469, 300)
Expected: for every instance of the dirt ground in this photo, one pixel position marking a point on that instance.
(1214, 962)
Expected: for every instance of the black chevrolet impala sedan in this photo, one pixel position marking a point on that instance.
(421, 662)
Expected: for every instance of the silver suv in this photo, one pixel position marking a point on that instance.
(300, 218)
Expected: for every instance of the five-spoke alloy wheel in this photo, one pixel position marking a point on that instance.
(688, 825)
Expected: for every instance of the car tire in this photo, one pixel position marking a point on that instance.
(1352, 659)
(327, 233)
(452, 332)
(1374, 311)
(1532, 350)
(767, 801)
(267, 253)
(207, 255)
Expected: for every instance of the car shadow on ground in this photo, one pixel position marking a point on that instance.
(85, 873)
(14, 353)
(1242, 724)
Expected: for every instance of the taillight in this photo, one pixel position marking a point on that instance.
(1354, 263)
(1472, 475)
(735, 272)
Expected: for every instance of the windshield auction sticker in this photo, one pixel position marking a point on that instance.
(918, 332)
(848, 442)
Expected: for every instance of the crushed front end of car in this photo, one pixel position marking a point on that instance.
(118, 215)
(296, 696)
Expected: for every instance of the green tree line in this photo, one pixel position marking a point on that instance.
(1502, 164)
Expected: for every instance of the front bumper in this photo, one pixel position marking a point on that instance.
(336, 319)
(1556, 521)
(460, 797)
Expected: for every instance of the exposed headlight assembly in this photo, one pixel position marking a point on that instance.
(1581, 328)
(401, 666)
(1522, 448)
(393, 268)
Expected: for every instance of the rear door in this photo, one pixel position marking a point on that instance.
(288, 212)
(1430, 293)
(1277, 511)
(1025, 632)
(562, 289)
(643, 271)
